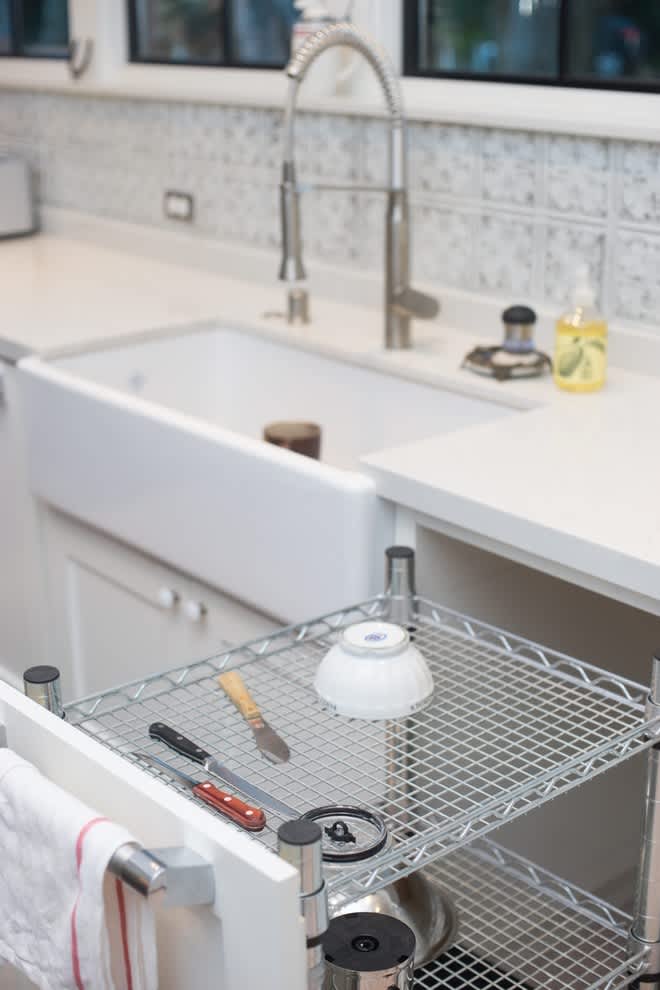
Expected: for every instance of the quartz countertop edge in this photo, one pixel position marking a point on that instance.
(574, 484)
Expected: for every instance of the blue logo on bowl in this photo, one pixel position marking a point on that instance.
(375, 637)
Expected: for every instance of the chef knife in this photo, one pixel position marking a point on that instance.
(186, 747)
(269, 743)
(252, 819)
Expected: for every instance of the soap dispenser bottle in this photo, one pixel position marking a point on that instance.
(581, 341)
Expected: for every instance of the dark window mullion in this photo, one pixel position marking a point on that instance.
(226, 37)
(410, 41)
(133, 48)
(16, 27)
(564, 43)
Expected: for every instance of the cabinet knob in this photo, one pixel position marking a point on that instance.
(167, 597)
(195, 611)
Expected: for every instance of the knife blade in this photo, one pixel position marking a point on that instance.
(252, 819)
(269, 743)
(186, 747)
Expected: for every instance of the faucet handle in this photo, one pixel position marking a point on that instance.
(411, 302)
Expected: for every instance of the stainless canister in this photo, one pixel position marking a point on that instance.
(366, 951)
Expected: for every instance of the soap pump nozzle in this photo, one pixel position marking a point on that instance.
(584, 294)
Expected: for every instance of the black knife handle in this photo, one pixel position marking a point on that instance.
(173, 738)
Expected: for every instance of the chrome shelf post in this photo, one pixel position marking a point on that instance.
(645, 931)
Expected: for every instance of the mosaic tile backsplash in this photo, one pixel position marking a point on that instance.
(509, 214)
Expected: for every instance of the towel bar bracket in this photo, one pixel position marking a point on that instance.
(185, 879)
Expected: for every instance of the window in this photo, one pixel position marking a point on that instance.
(597, 43)
(251, 33)
(34, 28)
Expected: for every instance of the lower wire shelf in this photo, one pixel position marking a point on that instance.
(522, 928)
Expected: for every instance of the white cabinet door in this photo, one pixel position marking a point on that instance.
(21, 584)
(117, 615)
(253, 934)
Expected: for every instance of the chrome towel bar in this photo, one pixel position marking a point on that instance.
(181, 876)
(185, 879)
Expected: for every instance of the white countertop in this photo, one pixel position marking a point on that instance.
(571, 479)
(58, 292)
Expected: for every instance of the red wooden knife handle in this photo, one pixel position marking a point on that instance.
(253, 819)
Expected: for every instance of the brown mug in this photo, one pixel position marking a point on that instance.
(302, 438)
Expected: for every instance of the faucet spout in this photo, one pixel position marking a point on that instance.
(401, 302)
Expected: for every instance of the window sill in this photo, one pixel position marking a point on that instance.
(597, 113)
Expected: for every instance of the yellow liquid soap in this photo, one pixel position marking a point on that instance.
(580, 363)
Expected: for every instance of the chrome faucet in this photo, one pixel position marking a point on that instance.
(402, 302)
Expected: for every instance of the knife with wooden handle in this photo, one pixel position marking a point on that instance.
(269, 743)
(252, 819)
(186, 747)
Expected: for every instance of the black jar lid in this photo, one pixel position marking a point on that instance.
(366, 942)
(350, 834)
(519, 314)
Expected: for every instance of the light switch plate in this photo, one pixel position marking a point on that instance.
(179, 206)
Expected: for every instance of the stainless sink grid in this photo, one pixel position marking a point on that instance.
(521, 927)
(510, 726)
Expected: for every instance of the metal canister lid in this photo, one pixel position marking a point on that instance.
(350, 834)
(42, 684)
(367, 942)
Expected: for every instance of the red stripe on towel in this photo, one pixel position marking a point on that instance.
(75, 958)
(124, 933)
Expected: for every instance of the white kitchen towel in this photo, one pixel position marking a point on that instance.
(64, 922)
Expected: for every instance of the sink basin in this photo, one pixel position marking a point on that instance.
(159, 443)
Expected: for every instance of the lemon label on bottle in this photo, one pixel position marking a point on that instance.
(581, 359)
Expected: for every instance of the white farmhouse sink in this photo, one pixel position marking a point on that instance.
(159, 444)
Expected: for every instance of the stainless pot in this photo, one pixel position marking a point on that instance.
(365, 951)
(421, 904)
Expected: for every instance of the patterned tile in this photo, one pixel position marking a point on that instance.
(509, 163)
(637, 277)
(250, 138)
(371, 231)
(197, 131)
(330, 227)
(116, 157)
(246, 212)
(328, 147)
(505, 251)
(374, 135)
(640, 183)
(443, 159)
(443, 246)
(567, 247)
(578, 175)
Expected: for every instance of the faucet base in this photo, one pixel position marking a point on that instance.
(398, 335)
(297, 307)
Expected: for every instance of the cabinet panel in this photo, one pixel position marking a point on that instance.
(21, 585)
(252, 936)
(118, 615)
(116, 634)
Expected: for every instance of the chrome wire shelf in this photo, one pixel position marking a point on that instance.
(521, 927)
(510, 726)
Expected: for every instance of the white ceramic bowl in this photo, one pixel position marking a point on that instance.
(374, 672)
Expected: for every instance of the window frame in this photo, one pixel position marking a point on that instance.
(412, 70)
(17, 36)
(224, 31)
